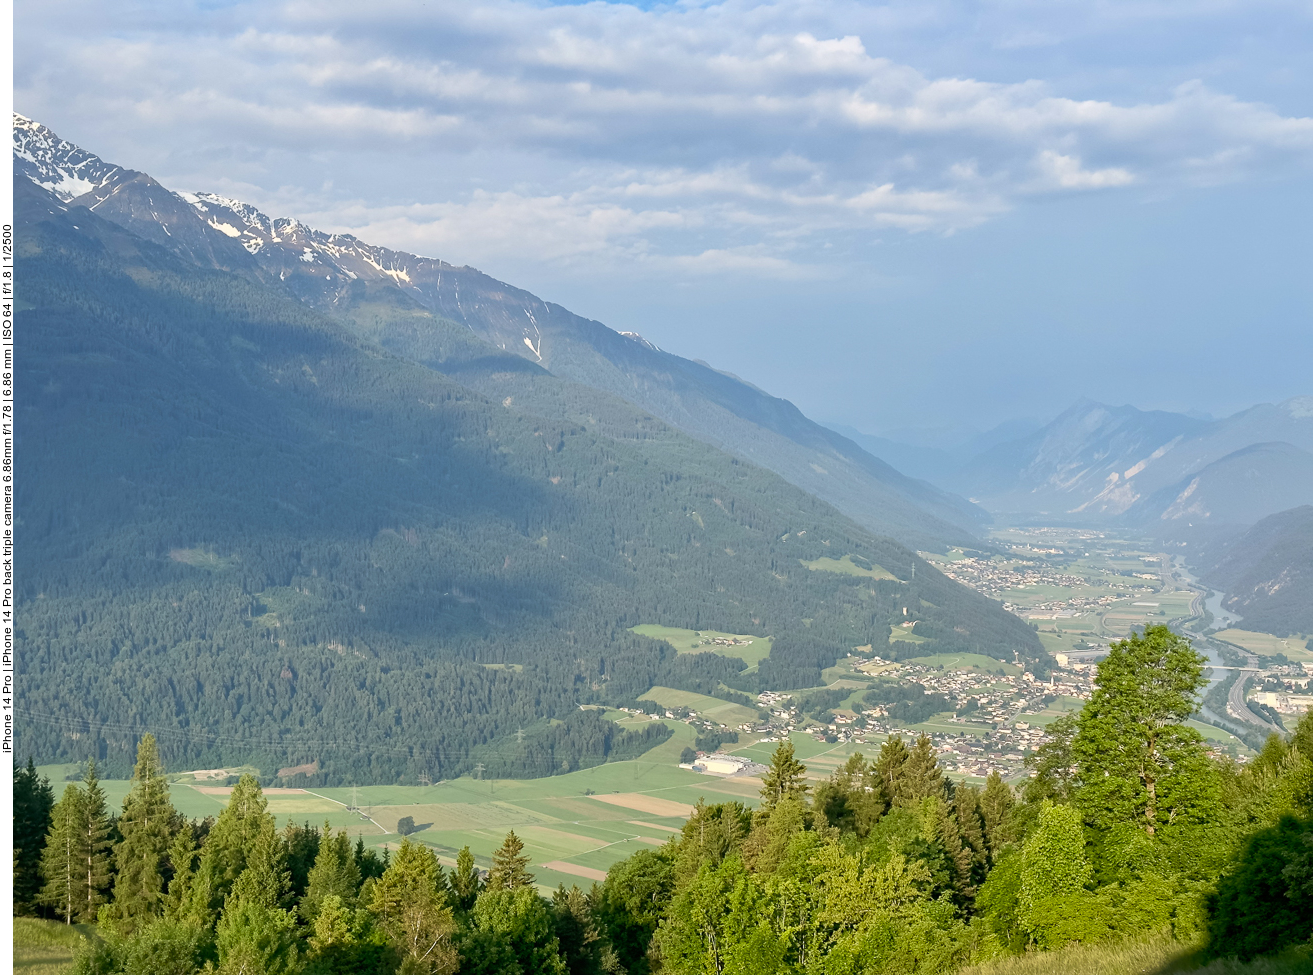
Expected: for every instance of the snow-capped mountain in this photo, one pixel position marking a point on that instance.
(386, 293)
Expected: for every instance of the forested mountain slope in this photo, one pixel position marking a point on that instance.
(1267, 573)
(266, 539)
(329, 271)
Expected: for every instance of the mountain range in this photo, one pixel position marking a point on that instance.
(279, 527)
(409, 304)
(1167, 473)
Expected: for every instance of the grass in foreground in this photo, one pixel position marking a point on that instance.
(1150, 956)
(44, 947)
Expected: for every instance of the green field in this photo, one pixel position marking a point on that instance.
(711, 708)
(848, 567)
(578, 823)
(44, 947)
(966, 661)
(907, 636)
(1267, 645)
(702, 641)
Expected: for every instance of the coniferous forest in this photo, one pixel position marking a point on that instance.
(267, 541)
(1127, 828)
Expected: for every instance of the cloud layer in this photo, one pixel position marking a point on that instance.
(728, 138)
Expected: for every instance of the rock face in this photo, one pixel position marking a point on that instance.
(340, 274)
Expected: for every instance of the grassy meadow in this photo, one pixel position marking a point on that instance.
(44, 947)
(702, 641)
(849, 567)
(1154, 955)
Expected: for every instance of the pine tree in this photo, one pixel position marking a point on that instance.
(509, 865)
(223, 856)
(786, 777)
(889, 766)
(265, 880)
(96, 845)
(61, 860)
(995, 805)
(465, 881)
(334, 873)
(34, 801)
(140, 855)
(183, 853)
(922, 777)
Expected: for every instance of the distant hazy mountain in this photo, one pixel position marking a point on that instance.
(1098, 462)
(935, 458)
(1267, 573)
(399, 298)
(1236, 491)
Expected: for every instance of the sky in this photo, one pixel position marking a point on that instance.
(903, 216)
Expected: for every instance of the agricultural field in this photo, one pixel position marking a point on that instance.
(1294, 648)
(747, 647)
(851, 565)
(711, 708)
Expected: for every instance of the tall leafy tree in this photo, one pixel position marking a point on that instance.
(509, 865)
(1138, 762)
(1053, 866)
(34, 801)
(145, 827)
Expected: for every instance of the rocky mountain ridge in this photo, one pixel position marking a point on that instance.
(340, 274)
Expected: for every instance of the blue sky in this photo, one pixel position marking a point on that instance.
(895, 214)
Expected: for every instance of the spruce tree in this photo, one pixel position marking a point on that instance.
(61, 860)
(223, 856)
(889, 766)
(145, 827)
(995, 805)
(922, 777)
(183, 854)
(96, 845)
(509, 865)
(465, 882)
(334, 874)
(786, 777)
(34, 801)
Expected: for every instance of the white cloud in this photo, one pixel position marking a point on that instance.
(723, 135)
